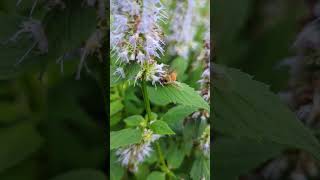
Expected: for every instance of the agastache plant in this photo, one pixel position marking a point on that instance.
(136, 37)
(139, 55)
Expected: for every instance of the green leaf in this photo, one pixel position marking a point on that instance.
(176, 115)
(153, 116)
(178, 93)
(156, 175)
(200, 169)
(179, 65)
(143, 172)
(124, 137)
(233, 158)
(134, 120)
(175, 157)
(248, 109)
(115, 119)
(20, 142)
(115, 107)
(116, 171)
(84, 174)
(161, 127)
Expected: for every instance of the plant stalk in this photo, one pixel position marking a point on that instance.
(146, 99)
(163, 165)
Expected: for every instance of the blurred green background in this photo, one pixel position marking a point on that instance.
(51, 125)
(255, 35)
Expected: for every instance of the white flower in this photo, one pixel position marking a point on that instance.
(136, 36)
(155, 73)
(141, 57)
(152, 72)
(134, 154)
(124, 56)
(120, 72)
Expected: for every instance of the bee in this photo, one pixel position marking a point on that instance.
(170, 78)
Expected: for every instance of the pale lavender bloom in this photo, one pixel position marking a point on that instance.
(120, 23)
(124, 56)
(116, 39)
(183, 28)
(136, 35)
(156, 73)
(133, 40)
(119, 71)
(153, 72)
(132, 155)
(141, 57)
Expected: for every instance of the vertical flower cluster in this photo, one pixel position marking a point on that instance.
(204, 60)
(185, 21)
(134, 154)
(205, 77)
(205, 141)
(136, 36)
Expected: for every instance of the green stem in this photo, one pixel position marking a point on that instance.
(163, 165)
(146, 99)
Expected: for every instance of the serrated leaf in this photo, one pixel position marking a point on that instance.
(200, 169)
(248, 109)
(161, 127)
(233, 158)
(20, 142)
(134, 120)
(175, 115)
(84, 174)
(178, 93)
(124, 137)
(156, 175)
